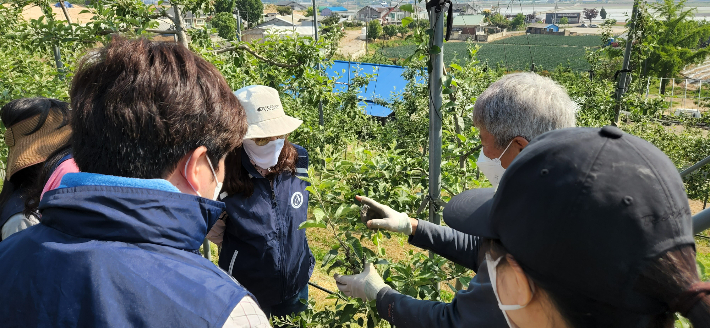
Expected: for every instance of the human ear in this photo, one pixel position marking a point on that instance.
(519, 143)
(523, 287)
(189, 174)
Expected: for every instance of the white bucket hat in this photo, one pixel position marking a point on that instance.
(265, 114)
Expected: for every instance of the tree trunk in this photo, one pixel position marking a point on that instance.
(180, 27)
(663, 87)
(66, 14)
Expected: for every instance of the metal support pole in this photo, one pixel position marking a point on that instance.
(670, 103)
(701, 221)
(648, 86)
(700, 92)
(206, 249)
(695, 166)
(58, 62)
(621, 84)
(685, 92)
(435, 88)
(315, 32)
(239, 26)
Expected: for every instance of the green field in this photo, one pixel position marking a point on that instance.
(547, 51)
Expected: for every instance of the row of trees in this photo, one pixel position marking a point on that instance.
(498, 20)
(666, 37)
(376, 30)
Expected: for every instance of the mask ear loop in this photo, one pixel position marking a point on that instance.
(185, 175)
(512, 306)
(506, 149)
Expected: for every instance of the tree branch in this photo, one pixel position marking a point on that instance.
(66, 14)
(260, 57)
(161, 31)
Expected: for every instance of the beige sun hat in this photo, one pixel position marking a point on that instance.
(265, 114)
(27, 150)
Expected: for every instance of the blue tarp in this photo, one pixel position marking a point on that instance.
(387, 85)
(335, 8)
(67, 4)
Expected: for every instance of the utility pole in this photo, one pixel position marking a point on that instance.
(315, 31)
(436, 17)
(239, 26)
(622, 83)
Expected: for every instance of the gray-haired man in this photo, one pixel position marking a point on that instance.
(510, 113)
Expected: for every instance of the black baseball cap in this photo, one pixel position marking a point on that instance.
(583, 208)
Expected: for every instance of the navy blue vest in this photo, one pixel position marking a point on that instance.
(263, 247)
(110, 256)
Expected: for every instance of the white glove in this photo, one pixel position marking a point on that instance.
(364, 285)
(378, 216)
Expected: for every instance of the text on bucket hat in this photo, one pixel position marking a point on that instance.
(584, 209)
(265, 114)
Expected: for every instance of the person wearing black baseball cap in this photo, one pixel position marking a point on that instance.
(588, 228)
(510, 112)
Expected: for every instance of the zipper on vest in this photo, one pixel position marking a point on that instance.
(231, 263)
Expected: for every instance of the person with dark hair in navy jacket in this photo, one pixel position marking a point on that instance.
(262, 246)
(118, 243)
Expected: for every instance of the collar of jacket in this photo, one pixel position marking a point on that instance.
(246, 162)
(110, 208)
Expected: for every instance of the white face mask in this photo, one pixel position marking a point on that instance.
(265, 156)
(215, 196)
(492, 168)
(492, 274)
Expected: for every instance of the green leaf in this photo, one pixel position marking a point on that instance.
(330, 256)
(456, 67)
(465, 280)
(319, 214)
(357, 247)
(434, 50)
(311, 224)
(407, 20)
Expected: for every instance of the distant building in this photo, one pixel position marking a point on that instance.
(371, 12)
(469, 24)
(554, 18)
(388, 15)
(288, 20)
(259, 32)
(327, 11)
(191, 20)
(550, 29)
(293, 4)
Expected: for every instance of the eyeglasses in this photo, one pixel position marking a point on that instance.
(264, 141)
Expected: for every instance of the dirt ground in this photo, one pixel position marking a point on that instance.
(34, 12)
(350, 45)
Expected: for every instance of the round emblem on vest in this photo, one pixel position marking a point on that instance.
(296, 199)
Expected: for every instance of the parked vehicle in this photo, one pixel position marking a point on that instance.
(594, 25)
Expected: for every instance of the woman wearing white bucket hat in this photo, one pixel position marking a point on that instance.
(262, 246)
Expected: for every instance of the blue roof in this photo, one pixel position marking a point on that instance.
(387, 85)
(336, 8)
(548, 26)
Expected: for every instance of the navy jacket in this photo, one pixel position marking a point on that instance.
(115, 252)
(263, 247)
(475, 307)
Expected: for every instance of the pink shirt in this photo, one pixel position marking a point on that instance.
(68, 166)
